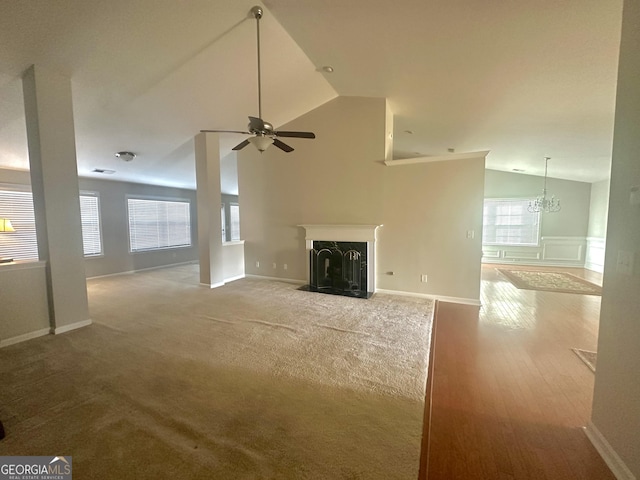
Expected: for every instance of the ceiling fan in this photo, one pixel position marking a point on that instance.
(262, 132)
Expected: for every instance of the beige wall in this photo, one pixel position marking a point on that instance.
(339, 178)
(571, 221)
(616, 402)
(598, 209)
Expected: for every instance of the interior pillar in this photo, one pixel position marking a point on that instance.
(56, 196)
(209, 199)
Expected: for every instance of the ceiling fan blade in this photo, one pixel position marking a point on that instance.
(225, 131)
(282, 145)
(241, 145)
(256, 123)
(295, 134)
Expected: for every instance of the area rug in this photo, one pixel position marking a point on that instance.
(589, 358)
(560, 282)
(252, 380)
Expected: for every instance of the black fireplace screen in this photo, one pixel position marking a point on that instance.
(339, 268)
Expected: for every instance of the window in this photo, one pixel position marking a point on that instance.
(90, 217)
(508, 222)
(235, 221)
(157, 224)
(22, 244)
(223, 223)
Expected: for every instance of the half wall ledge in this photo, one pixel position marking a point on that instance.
(437, 158)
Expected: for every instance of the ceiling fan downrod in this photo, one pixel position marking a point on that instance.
(257, 13)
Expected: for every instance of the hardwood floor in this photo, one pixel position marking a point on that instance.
(509, 396)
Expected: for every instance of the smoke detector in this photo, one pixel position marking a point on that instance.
(126, 156)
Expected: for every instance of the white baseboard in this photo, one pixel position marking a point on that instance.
(608, 454)
(233, 279)
(24, 337)
(287, 280)
(131, 272)
(71, 326)
(441, 298)
(213, 285)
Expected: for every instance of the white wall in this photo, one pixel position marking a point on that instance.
(339, 178)
(616, 401)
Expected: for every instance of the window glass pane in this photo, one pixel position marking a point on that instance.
(156, 224)
(90, 217)
(17, 206)
(509, 222)
(235, 221)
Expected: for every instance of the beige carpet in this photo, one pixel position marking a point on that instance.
(560, 282)
(254, 380)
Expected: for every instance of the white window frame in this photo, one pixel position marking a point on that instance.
(161, 244)
(234, 233)
(515, 202)
(23, 243)
(95, 223)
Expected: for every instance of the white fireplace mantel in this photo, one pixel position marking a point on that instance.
(347, 233)
(341, 233)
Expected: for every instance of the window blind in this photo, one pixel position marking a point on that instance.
(22, 244)
(157, 224)
(90, 217)
(235, 221)
(508, 222)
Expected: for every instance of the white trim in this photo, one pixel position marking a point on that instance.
(287, 280)
(233, 279)
(608, 454)
(71, 326)
(213, 285)
(437, 158)
(24, 337)
(340, 233)
(440, 298)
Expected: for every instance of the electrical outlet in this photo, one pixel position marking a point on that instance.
(274, 265)
(285, 266)
(471, 234)
(257, 264)
(423, 278)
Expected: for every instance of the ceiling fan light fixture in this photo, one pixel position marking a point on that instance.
(261, 142)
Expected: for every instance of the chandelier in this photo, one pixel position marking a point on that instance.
(543, 203)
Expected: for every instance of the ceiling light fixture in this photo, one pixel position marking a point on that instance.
(542, 203)
(126, 156)
(261, 142)
(327, 69)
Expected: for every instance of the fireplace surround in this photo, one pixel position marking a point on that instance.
(341, 259)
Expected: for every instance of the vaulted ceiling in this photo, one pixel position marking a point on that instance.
(521, 79)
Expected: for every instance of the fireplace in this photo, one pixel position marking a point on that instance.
(339, 268)
(341, 259)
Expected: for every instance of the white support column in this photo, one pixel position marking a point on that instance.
(207, 149)
(54, 182)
